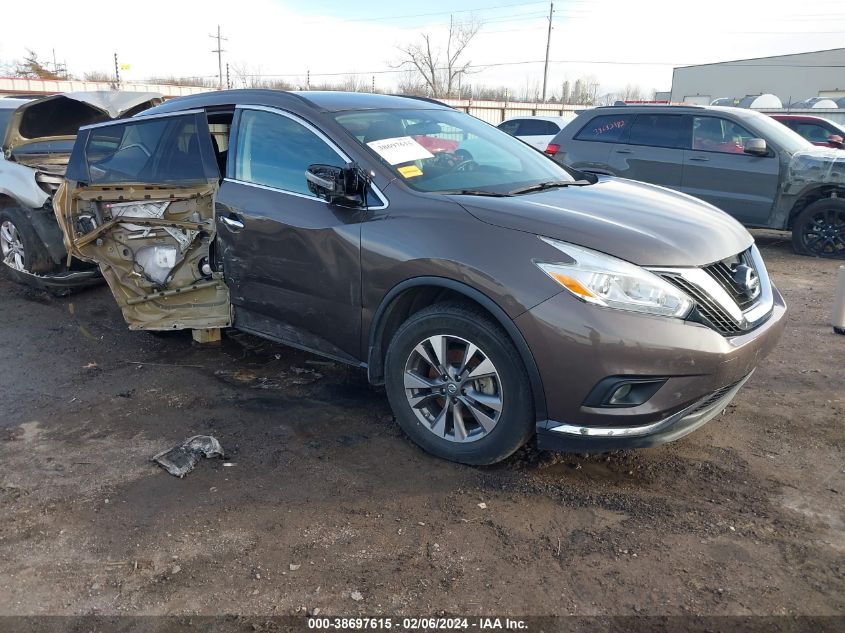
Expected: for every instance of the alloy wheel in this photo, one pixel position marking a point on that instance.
(453, 388)
(11, 246)
(824, 233)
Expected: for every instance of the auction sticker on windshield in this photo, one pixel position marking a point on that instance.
(402, 149)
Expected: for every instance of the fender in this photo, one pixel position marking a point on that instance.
(18, 182)
(374, 354)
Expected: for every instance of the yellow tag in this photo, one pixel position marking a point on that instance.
(410, 171)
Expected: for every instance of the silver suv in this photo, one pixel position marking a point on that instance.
(741, 161)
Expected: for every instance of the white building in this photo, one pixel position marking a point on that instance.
(792, 78)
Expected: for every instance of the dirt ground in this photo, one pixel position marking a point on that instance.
(322, 503)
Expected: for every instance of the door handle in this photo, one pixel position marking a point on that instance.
(698, 159)
(232, 223)
(624, 151)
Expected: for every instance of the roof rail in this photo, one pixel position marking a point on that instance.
(427, 99)
(652, 105)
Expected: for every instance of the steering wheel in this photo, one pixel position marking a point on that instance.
(466, 165)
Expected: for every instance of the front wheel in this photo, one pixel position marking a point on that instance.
(819, 230)
(20, 247)
(457, 385)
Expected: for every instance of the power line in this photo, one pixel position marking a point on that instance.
(481, 67)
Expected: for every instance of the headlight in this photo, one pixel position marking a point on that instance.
(613, 283)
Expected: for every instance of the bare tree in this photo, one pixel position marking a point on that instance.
(565, 92)
(489, 93)
(530, 90)
(632, 93)
(410, 83)
(171, 80)
(30, 68)
(441, 70)
(354, 83)
(97, 75)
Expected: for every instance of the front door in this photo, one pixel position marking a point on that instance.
(291, 260)
(717, 170)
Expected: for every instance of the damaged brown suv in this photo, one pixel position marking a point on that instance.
(495, 293)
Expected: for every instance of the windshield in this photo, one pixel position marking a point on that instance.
(448, 151)
(837, 126)
(779, 134)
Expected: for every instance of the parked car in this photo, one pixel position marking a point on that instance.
(37, 135)
(743, 162)
(818, 130)
(537, 131)
(492, 301)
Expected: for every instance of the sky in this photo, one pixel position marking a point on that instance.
(617, 42)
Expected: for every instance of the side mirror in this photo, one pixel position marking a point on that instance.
(756, 147)
(345, 186)
(834, 140)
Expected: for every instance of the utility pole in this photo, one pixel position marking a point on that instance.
(228, 83)
(219, 50)
(116, 72)
(548, 43)
(374, 85)
(308, 80)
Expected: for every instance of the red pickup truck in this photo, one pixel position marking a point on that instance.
(815, 129)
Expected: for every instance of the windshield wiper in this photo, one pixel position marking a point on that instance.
(552, 184)
(474, 192)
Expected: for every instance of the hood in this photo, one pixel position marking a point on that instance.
(640, 223)
(60, 116)
(814, 166)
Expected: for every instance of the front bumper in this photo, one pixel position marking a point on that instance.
(576, 345)
(556, 436)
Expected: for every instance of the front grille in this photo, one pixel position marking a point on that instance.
(707, 310)
(723, 273)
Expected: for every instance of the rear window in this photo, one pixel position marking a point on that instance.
(536, 127)
(152, 151)
(608, 128)
(510, 127)
(658, 130)
(811, 131)
(58, 117)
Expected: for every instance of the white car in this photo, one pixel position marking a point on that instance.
(537, 131)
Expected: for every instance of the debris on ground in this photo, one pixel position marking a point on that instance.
(182, 458)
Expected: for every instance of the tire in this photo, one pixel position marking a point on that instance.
(819, 230)
(489, 416)
(20, 247)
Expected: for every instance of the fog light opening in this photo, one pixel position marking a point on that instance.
(623, 391)
(620, 394)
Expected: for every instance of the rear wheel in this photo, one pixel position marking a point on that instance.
(20, 247)
(457, 385)
(819, 230)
